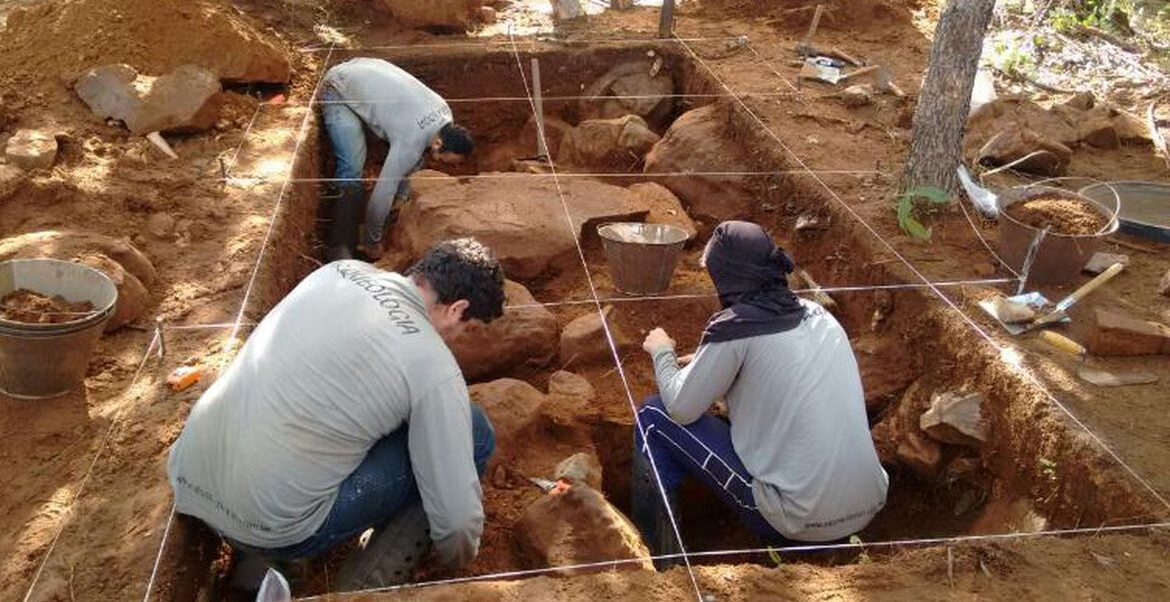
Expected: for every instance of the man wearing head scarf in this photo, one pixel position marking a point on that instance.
(794, 459)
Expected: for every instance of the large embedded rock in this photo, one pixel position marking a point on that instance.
(568, 384)
(431, 14)
(513, 407)
(696, 142)
(11, 179)
(179, 101)
(1016, 113)
(577, 527)
(580, 467)
(521, 218)
(1045, 155)
(1115, 333)
(618, 143)
(887, 368)
(583, 340)
(955, 418)
(564, 10)
(32, 149)
(525, 336)
(631, 88)
(130, 270)
(1163, 285)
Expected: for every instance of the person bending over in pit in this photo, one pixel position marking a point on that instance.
(794, 459)
(400, 110)
(344, 410)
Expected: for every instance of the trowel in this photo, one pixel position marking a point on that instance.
(1022, 313)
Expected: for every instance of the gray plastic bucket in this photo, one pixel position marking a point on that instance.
(38, 361)
(641, 256)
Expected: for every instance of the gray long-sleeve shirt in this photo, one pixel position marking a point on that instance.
(346, 358)
(398, 108)
(798, 423)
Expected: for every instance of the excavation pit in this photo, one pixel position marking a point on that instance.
(1033, 473)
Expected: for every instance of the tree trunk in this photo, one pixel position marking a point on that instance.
(941, 117)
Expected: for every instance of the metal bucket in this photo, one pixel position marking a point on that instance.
(1144, 206)
(38, 361)
(642, 256)
(1059, 257)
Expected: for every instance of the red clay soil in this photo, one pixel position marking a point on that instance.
(31, 307)
(1063, 215)
(115, 184)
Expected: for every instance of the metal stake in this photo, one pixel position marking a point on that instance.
(666, 19)
(538, 100)
(160, 332)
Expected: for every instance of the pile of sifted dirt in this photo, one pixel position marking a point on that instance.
(1062, 214)
(31, 307)
(52, 43)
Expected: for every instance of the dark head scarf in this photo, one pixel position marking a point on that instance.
(750, 274)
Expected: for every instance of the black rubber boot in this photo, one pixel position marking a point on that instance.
(390, 555)
(650, 515)
(341, 239)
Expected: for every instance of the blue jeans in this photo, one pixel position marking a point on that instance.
(701, 450)
(382, 486)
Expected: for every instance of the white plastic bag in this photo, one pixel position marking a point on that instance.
(274, 588)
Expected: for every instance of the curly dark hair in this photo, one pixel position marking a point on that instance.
(456, 139)
(464, 268)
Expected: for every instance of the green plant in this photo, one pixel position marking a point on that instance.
(863, 557)
(915, 203)
(775, 556)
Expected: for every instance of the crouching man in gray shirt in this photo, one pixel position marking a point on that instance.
(794, 460)
(345, 409)
(399, 109)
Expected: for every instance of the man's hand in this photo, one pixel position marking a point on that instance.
(656, 341)
(686, 359)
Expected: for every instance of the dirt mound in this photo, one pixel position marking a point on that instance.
(32, 307)
(799, 13)
(52, 43)
(439, 15)
(1063, 215)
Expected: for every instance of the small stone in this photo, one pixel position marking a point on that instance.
(32, 149)
(580, 468)
(922, 454)
(1098, 129)
(810, 221)
(578, 526)
(583, 340)
(1011, 312)
(1115, 333)
(570, 385)
(955, 418)
(984, 269)
(857, 95)
(11, 179)
(1082, 101)
(1164, 285)
(1100, 262)
(161, 225)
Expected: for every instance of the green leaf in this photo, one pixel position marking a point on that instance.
(915, 229)
(938, 196)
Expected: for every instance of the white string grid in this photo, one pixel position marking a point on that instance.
(894, 543)
(609, 338)
(598, 300)
(576, 174)
(938, 292)
(534, 41)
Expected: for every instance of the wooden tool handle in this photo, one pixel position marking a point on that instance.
(859, 72)
(1090, 286)
(1062, 342)
(816, 21)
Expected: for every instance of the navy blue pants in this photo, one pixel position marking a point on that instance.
(382, 486)
(701, 450)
